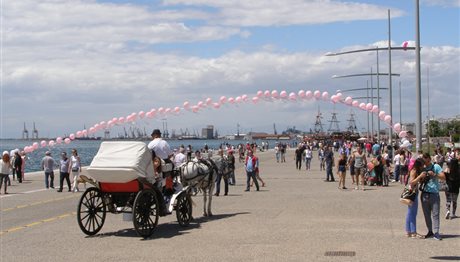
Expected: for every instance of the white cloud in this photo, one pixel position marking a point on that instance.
(290, 12)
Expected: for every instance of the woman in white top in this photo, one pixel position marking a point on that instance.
(5, 168)
(308, 156)
(75, 169)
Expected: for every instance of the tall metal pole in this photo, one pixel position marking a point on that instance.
(400, 108)
(390, 130)
(367, 99)
(372, 102)
(418, 86)
(378, 96)
(429, 115)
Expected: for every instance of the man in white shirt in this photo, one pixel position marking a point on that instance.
(180, 157)
(159, 146)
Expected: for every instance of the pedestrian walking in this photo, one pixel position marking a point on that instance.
(5, 168)
(17, 166)
(342, 170)
(430, 197)
(47, 165)
(251, 163)
(329, 159)
(75, 165)
(298, 157)
(359, 158)
(453, 183)
(64, 171)
(308, 156)
(231, 166)
(416, 175)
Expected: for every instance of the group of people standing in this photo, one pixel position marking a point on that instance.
(13, 163)
(69, 169)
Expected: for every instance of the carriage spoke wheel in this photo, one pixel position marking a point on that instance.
(184, 209)
(145, 212)
(91, 211)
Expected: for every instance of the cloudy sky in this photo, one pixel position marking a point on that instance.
(73, 63)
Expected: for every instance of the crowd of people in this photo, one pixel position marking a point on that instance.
(372, 164)
(14, 163)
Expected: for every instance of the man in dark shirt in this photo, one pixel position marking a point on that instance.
(329, 158)
(298, 157)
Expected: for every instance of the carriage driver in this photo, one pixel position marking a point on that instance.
(160, 148)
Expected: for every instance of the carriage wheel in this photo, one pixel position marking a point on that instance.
(145, 212)
(184, 210)
(91, 211)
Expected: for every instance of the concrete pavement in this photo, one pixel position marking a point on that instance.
(296, 217)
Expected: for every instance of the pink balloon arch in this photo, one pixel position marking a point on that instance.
(219, 103)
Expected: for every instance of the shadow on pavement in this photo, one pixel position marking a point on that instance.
(167, 230)
(450, 236)
(450, 258)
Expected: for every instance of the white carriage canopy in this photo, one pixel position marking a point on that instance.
(121, 162)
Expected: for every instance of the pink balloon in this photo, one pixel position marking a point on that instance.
(114, 120)
(121, 120)
(161, 110)
(35, 145)
(195, 109)
(141, 114)
(260, 93)
(388, 119)
(200, 104)
(244, 97)
(238, 99)
(404, 45)
(375, 109)
(274, 94)
(148, 114)
(216, 105)
(362, 106)
(186, 104)
(355, 103)
(283, 94)
(79, 133)
(223, 99)
(317, 94)
(382, 114)
(167, 110)
(308, 94)
(231, 100)
(59, 140)
(334, 99)
(92, 130)
(325, 96)
(255, 99)
(51, 143)
(348, 100)
(292, 96)
(402, 134)
(67, 140)
(267, 93)
(103, 124)
(301, 94)
(43, 143)
(110, 124)
(339, 95)
(96, 126)
(369, 106)
(397, 127)
(72, 136)
(208, 101)
(27, 149)
(176, 109)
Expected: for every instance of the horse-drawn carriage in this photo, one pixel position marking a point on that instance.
(123, 177)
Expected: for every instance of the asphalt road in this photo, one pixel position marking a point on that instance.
(296, 217)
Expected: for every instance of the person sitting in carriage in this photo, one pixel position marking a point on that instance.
(161, 150)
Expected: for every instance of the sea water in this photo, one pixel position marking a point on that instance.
(87, 149)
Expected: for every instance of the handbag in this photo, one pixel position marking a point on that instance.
(443, 186)
(407, 196)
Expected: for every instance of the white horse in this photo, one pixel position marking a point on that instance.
(201, 175)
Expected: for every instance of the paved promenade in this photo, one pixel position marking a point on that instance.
(295, 217)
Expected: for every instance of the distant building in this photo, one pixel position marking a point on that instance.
(208, 132)
(409, 127)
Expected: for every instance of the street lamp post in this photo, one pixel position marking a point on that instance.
(418, 88)
(390, 130)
